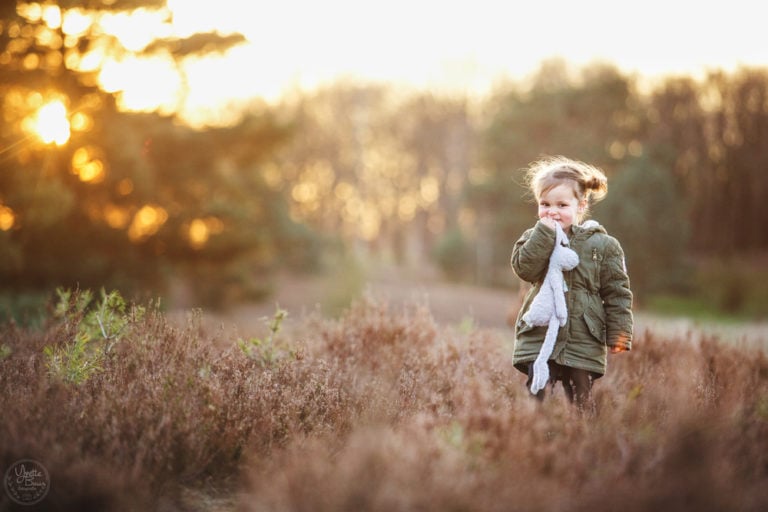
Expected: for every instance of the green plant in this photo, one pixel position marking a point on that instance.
(266, 352)
(98, 328)
(467, 325)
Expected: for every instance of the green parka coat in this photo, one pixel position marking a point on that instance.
(598, 298)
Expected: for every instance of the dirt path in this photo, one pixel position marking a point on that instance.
(449, 303)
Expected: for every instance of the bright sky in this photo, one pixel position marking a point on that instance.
(466, 45)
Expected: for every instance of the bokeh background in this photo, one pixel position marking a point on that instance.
(170, 170)
(232, 153)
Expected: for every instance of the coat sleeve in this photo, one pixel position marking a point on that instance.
(617, 297)
(530, 256)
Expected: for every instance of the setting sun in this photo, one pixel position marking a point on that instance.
(50, 123)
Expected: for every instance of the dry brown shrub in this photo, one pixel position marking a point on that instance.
(679, 424)
(383, 409)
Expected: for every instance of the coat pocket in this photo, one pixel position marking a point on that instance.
(523, 327)
(595, 326)
(527, 332)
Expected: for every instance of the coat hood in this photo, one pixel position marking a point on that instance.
(587, 229)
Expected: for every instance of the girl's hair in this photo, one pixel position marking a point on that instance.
(589, 183)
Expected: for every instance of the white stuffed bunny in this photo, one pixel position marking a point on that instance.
(548, 307)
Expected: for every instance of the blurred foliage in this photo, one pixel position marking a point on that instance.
(710, 136)
(347, 275)
(26, 308)
(127, 200)
(369, 164)
(582, 118)
(734, 285)
(644, 206)
(454, 255)
(142, 203)
(684, 161)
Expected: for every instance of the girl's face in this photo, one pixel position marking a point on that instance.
(561, 205)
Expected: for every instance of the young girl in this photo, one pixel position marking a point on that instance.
(597, 293)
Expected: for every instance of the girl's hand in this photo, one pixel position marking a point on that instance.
(617, 350)
(549, 222)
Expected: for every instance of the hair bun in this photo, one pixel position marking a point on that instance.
(596, 183)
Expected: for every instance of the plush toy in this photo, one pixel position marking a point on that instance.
(548, 307)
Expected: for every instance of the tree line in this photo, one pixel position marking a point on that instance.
(140, 201)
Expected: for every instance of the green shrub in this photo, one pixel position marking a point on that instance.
(97, 327)
(24, 308)
(734, 285)
(726, 289)
(454, 255)
(643, 211)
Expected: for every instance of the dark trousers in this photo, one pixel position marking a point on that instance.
(577, 383)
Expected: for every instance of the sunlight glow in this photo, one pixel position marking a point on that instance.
(87, 165)
(7, 218)
(124, 27)
(406, 208)
(200, 231)
(370, 222)
(116, 216)
(429, 190)
(51, 15)
(220, 86)
(226, 18)
(81, 122)
(128, 78)
(147, 221)
(32, 11)
(125, 186)
(474, 48)
(50, 123)
(304, 192)
(75, 22)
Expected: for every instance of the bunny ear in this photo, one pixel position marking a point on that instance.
(560, 237)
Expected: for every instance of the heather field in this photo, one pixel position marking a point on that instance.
(380, 408)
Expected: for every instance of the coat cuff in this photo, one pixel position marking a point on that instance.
(543, 235)
(620, 340)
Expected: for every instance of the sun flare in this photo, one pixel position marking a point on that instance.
(50, 123)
